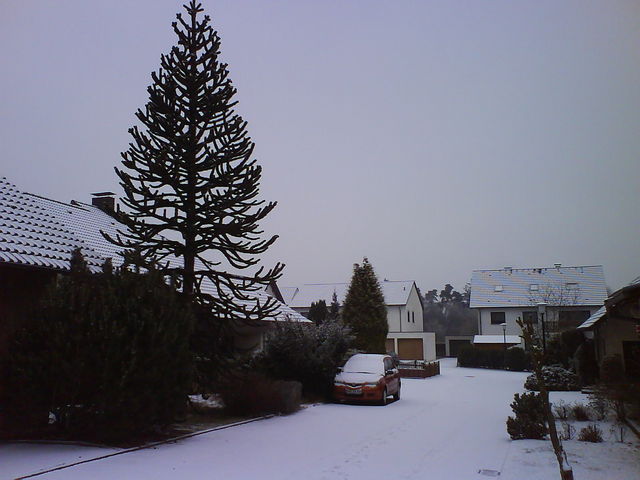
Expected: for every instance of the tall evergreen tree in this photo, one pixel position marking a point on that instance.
(318, 312)
(334, 308)
(191, 185)
(365, 311)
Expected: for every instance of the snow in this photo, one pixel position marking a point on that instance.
(450, 426)
(365, 363)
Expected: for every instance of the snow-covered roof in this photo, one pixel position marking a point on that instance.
(520, 287)
(395, 293)
(512, 339)
(593, 319)
(40, 232)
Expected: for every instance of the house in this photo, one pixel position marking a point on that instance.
(615, 327)
(404, 313)
(554, 298)
(38, 235)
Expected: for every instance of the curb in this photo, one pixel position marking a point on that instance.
(150, 445)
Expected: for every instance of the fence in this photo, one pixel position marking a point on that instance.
(418, 369)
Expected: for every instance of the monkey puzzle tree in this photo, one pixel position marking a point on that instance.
(190, 182)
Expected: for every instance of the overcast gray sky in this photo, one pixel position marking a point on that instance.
(434, 137)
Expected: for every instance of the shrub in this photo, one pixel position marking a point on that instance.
(555, 378)
(580, 412)
(474, 357)
(251, 393)
(568, 431)
(598, 406)
(529, 421)
(307, 354)
(616, 388)
(590, 433)
(107, 353)
(561, 409)
(516, 359)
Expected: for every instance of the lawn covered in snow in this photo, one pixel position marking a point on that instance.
(447, 427)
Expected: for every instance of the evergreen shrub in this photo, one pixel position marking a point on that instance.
(307, 354)
(556, 378)
(517, 360)
(529, 420)
(252, 393)
(107, 354)
(474, 357)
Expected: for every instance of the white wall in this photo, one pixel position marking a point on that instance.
(398, 319)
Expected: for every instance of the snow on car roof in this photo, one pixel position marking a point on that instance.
(365, 363)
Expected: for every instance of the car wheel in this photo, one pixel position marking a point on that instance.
(383, 401)
(396, 395)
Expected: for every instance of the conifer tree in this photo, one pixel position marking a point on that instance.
(334, 308)
(365, 311)
(191, 185)
(318, 312)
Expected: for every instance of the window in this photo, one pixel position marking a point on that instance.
(530, 318)
(572, 286)
(497, 288)
(413, 317)
(533, 287)
(497, 318)
(408, 317)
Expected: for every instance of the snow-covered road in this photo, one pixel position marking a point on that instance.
(446, 427)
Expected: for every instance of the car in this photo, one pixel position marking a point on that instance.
(367, 377)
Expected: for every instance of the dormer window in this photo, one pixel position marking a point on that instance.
(533, 287)
(572, 286)
(497, 288)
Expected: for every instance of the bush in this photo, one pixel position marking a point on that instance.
(307, 354)
(615, 388)
(251, 393)
(529, 421)
(568, 431)
(590, 433)
(517, 360)
(561, 409)
(580, 412)
(474, 357)
(555, 378)
(106, 353)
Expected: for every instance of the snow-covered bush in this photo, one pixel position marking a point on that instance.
(252, 393)
(555, 378)
(529, 421)
(305, 353)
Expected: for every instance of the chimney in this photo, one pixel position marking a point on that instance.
(105, 201)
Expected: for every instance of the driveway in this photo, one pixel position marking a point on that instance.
(445, 427)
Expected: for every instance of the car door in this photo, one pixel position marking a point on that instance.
(392, 380)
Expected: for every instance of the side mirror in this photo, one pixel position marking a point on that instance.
(390, 372)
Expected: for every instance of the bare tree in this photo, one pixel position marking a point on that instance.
(537, 360)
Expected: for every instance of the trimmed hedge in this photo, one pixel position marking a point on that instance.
(252, 393)
(515, 358)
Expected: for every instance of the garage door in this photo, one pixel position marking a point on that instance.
(410, 349)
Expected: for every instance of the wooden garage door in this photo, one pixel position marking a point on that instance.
(410, 349)
(390, 346)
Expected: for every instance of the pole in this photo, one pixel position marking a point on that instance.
(544, 336)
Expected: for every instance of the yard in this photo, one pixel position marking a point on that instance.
(447, 427)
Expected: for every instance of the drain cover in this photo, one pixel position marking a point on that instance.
(489, 473)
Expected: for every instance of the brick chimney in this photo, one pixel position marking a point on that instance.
(105, 201)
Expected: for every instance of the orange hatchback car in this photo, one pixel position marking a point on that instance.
(367, 378)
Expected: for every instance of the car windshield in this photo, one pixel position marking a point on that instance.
(364, 364)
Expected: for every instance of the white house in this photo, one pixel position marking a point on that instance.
(569, 296)
(404, 313)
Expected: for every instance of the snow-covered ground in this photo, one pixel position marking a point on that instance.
(446, 427)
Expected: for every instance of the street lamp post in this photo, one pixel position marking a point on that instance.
(504, 344)
(542, 309)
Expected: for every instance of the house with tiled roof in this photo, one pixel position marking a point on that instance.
(404, 313)
(558, 297)
(615, 327)
(38, 235)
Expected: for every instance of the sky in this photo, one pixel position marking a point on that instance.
(433, 137)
